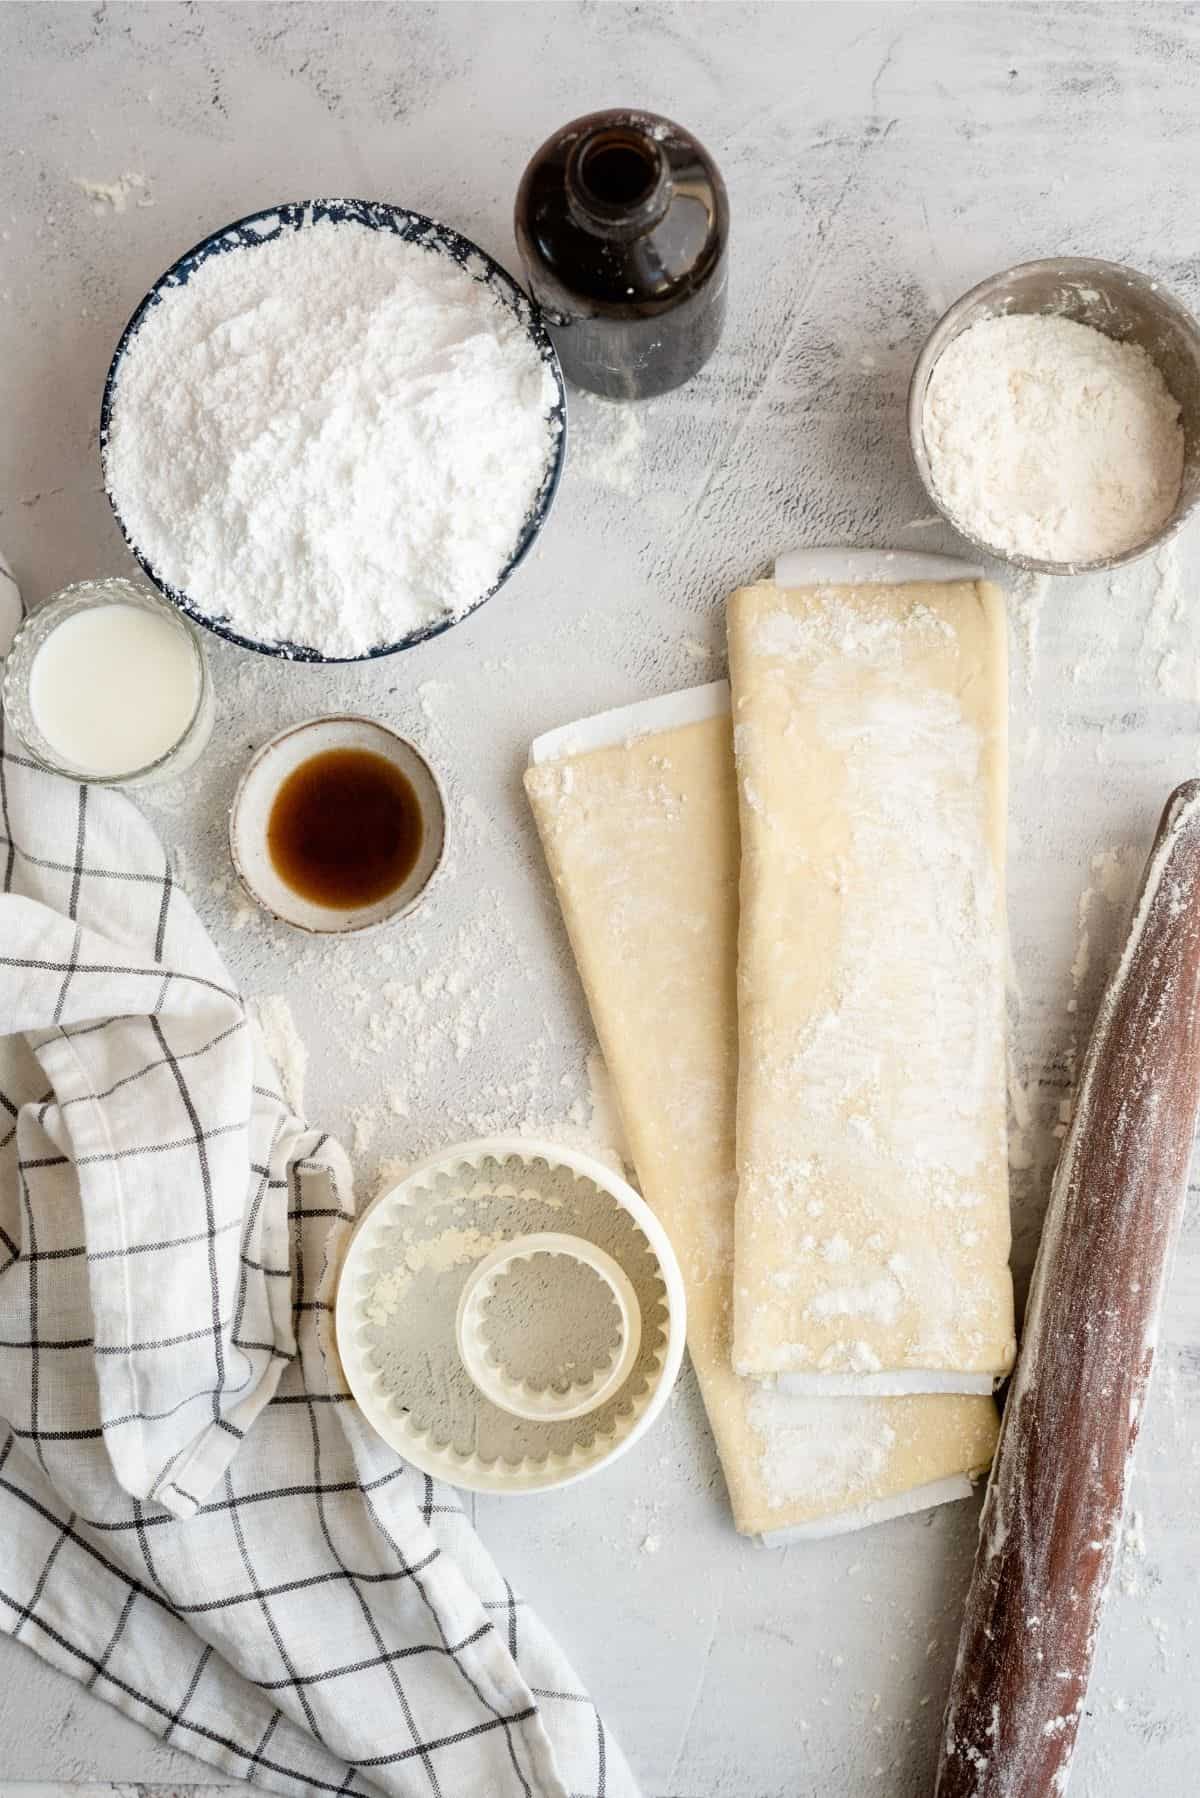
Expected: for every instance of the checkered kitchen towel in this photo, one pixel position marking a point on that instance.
(194, 1520)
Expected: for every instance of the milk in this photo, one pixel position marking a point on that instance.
(114, 687)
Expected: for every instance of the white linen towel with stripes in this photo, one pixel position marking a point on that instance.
(194, 1520)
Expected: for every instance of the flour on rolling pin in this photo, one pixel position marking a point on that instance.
(1054, 1507)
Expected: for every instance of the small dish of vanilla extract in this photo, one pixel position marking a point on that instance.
(337, 824)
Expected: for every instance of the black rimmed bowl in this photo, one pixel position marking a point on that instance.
(259, 228)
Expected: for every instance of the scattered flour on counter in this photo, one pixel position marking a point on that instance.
(1047, 438)
(244, 912)
(426, 1010)
(429, 692)
(1133, 1552)
(365, 1123)
(601, 1119)
(1161, 1629)
(271, 1015)
(446, 1005)
(389, 1173)
(1113, 880)
(1110, 603)
(607, 445)
(1170, 638)
(1026, 597)
(1140, 617)
(1117, 871)
(114, 196)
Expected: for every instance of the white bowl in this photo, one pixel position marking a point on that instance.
(250, 815)
(401, 1367)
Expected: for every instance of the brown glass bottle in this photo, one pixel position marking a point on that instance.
(622, 222)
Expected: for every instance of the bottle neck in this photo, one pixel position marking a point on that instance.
(618, 181)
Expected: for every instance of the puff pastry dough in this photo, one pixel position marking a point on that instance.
(641, 839)
(872, 1214)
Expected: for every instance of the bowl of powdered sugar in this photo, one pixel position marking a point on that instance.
(332, 430)
(1054, 415)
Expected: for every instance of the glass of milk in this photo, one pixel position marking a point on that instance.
(106, 682)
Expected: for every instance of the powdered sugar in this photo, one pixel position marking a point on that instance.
(357, 431)
(1048, 439)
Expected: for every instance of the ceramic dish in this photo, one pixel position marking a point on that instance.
(1120, 302)
(250, 815)
(414, 1255)
(260, 228)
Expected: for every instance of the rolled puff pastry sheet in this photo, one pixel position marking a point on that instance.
(637, 812)
(872, 1241)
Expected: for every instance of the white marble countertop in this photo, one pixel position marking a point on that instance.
(880, 159)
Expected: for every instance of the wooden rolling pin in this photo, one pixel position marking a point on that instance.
(1052, 1518)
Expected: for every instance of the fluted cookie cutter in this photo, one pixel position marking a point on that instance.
(425, 1302)
(568, 1395)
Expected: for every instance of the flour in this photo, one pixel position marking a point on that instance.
(1133, 1552)
(271, 1016)
(824, 1448)
(1026, 597)
(610, 439)
(357, 431)
(1167, 640)
(1048, 439)
(114, 196)
(1117, 871)
(423, 1011)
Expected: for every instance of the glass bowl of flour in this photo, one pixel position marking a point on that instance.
(332, 430)
(1054, 415)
